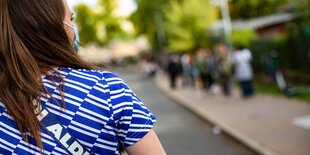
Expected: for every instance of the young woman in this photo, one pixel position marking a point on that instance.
(51, 101)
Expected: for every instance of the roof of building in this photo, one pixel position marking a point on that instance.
(257, 23)
(264, 21)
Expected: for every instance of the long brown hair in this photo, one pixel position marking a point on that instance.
(32, 41)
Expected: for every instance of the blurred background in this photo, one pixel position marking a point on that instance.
(222, 76)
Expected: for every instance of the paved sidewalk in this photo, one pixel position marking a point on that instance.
(269, 125)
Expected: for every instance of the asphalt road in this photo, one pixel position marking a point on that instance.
(180, 131)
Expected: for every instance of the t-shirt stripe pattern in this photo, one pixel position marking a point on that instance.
(100, 111)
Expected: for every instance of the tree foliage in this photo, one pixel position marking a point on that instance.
(100, 25)
(86, 21)
(110, 24)
(298, 38)
(187, 24)
(303, 14)
(254, 8)
(242, 37)
(144, 19)
(180, 25)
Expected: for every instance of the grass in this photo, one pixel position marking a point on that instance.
(274, 90)
(267, 89)
(304, 97)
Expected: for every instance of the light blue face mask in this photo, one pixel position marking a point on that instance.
(76, 42)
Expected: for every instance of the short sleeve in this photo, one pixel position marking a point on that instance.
(132, 118)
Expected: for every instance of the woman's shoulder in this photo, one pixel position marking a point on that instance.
(90, 74)
(89, 77)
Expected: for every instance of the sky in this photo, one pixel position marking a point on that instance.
(126, 7)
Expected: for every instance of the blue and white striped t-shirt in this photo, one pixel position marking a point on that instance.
(101, 111)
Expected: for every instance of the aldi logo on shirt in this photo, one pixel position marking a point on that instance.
(60, 134)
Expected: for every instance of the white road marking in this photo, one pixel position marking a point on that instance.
(303, 122)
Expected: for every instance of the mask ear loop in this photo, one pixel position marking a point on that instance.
(76, 36)
(72, 27)
(68, 25)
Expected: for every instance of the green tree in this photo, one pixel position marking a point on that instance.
(148, 20)
(187, 24)
(100, 25)
(254, 8)
(242, 37)
(86, 22)
(178, 24)
(302, 15)
(109, 24)
(298, 38)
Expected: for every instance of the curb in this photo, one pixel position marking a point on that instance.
(252, 144)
